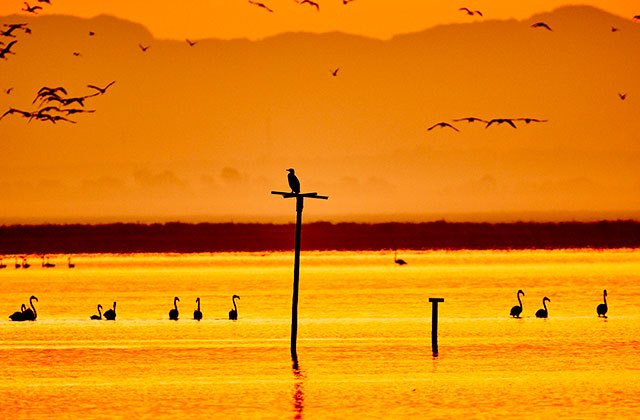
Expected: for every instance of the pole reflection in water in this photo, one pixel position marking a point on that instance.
(298, 391)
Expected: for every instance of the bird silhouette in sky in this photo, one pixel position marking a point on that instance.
(501, 121)
(7, 50)
(101, 91)
(8, 91)
(191, 43)
(72, 111)
(614, 29)
(44, 1)
(12, 111)
(346, 1)
(622, 96)
(471, 12)
(471, 119)
(335, 72)
(76, 54)
(264, 6)
(636, 17)
(31, 9)
(311, 3)
(442, 125)
(294, 182)
(91, 33)
(541, 25)
(144, 48)
(530, 120)
(54, 118)
(12, 27)
(46, 92)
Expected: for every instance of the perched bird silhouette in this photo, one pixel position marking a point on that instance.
(191, 43)
(517, 310)
(144, 48)
(101, 91)
(233, 314)
(311, 3)
(501, 121)
(294, 182)
(541, 25)
(31, 9)
(264, 6)
(471, 12)
(603, 308)
(622, 96)
(543, 313)
(443, 125)
(471, 119)
(335, 72)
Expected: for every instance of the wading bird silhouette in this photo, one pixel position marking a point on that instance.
(17, 264)
(233, 314)
(294, 182)
(541, 25)
(17, 316)
(603, 308)
(197, 315)
(398, 261)
(110, 315)
(30, 314)
(543, 313)
(264, 6)
(442, 125)
(99, 316)
(47, 264)
(174, 314)
(517, 310)
(69, 263)
(25, 264)
(2, 264)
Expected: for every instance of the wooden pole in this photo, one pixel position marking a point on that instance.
(296, 279)
(434, 324)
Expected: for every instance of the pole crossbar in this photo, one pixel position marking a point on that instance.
(303, 195)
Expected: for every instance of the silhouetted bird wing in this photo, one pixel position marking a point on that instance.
(541, 25)
(470, 119)
(443, 125)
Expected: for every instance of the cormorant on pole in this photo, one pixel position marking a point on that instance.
(294, 182)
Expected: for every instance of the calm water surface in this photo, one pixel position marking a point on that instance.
(364, 336)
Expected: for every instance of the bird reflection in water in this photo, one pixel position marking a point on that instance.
(298, 391)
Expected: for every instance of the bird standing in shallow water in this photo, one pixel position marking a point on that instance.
(543, 313)
(517, 310)
(233, 314)
(603, 308)
(294, 182)
(398, 261)
(197, 315)
(110, 315)
(173, 314)
(99, 316)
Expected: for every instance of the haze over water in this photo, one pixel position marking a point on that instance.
(364, 336)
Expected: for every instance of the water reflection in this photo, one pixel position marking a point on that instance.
(298, 391)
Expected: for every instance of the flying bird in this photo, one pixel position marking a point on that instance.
(44, 1)
(346, 1)
(501, 121)
(76, 54)
(443, 125)
(530, 120)
(17, 111)
(471, 119)
(91, 33)
(311, 3)
(471, 12)
(636, 17)
(72, 111)
(264, 6)
(101, 91)
(7, 49)
(8, 91)
(144, 48)
(541, 25)
(294, 182)
(191, 43)
(614, 29)
(335, 72)
(622, 96)
(31, 9)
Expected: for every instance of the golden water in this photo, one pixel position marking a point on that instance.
(364, 336)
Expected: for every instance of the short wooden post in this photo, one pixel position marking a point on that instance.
(434, 324)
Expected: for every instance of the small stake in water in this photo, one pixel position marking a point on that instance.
(295, 192)
(434, 324)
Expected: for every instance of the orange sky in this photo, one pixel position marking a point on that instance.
(205, 132)
(237, 19)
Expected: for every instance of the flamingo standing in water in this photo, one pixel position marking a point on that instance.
(233, 314)
(517, 310)
(17, 316)
(17, 264)
(110, 315)
(197, 315)
(2, 265)
(25, 264)
(173, 314)
(398, 261)
(543, 313)
(47, 264)
(99, 316)
(603, 308)
(30, 314)
(69, 263)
